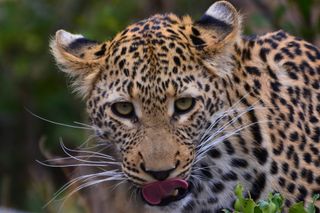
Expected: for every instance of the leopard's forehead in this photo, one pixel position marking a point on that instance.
(152, 59)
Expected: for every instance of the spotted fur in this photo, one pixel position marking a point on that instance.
(255, 119)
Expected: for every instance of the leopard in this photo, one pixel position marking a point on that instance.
(189, 109)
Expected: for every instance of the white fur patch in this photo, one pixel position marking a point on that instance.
(65, 38)
(221, 11)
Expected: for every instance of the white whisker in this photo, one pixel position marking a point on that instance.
(77, 165)
(213, 143)
(111, 174)
(67, 150)
(58, 123)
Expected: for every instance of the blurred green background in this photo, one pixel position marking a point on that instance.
(30, 80)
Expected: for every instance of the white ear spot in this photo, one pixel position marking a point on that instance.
(65, 38)
(222, 11)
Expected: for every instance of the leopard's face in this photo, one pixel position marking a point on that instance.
(152, 91)
(153, 99)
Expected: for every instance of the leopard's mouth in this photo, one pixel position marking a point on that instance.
(162, 193)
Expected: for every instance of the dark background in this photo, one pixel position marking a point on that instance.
(30, 80)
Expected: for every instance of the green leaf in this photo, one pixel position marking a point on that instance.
(249, 206)
(277, 199)
(239, 191)
(311, 207)
(257, 210)
(267, 207)
(315, 197)
(297, 208)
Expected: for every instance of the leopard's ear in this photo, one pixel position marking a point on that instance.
(220, 25)
(217, 32)
(79, 57)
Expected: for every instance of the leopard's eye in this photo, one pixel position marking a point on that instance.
(123, 109)
(184, 105)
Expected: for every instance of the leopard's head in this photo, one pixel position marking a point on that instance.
(152, 90)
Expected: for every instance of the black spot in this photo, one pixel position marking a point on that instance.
(309, 176)
(294, 175)
(207, 88)
(212, 200)
(197, 41)
(263, 53)
(292, 75)
(246, 54)
(247, 87)
(253, 70)
(126, 72)
(307, 157)
(205, 170)
(229, 147)
(296, 160)
(282, 181)
(121, 63)
(291, 187)
(214, 153)
(272, 73)
(134, 29)
(278, 57)
(302, 193)
(179, 50)
(310, 56)
(261, 154)
(177, 60)
(257, 186)
(123, 50)
(294, 136)
(285, 168)
(275, 86)
(101, 51)
(195, 31)
(238, 162)
(217, 187)
(230, 176)
(274, 168)
(189, 207)
(316, 136)
(255, 128)
(132, 48)
(287, 52)
(175, 70)
(257, 84)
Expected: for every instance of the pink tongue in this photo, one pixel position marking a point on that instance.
(154, 192)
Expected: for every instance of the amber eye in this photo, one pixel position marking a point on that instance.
(184, 105)
(123, 109)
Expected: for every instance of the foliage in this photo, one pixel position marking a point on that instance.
(274, 204)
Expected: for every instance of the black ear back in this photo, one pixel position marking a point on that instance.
(209, 21)
(221, 18)
(76, 56)
(81, 42)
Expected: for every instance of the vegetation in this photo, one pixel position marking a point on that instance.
(29, 78)
(274, 204)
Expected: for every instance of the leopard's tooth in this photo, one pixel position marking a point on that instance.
(175, 192)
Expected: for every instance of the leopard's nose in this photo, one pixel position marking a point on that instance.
(159, 175)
